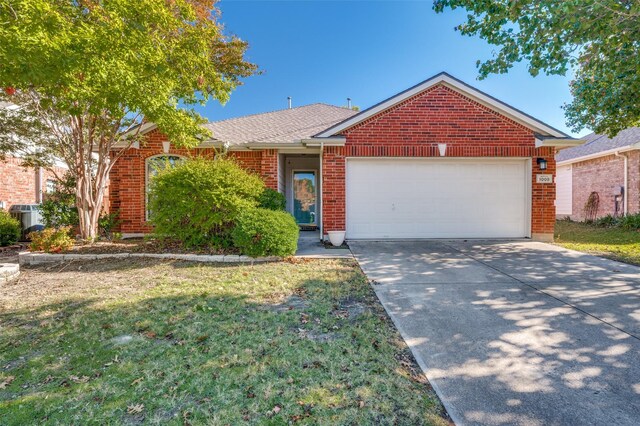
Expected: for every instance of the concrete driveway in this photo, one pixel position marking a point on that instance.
(515, 332)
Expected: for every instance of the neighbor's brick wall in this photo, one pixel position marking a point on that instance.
(127, 177)
(18, 184)
(415, 127)
(605, 175)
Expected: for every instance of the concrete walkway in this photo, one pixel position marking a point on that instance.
(310, 247)
(515, 332)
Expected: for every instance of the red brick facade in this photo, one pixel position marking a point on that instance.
(18, 185)
(127, 192)
(414, 127)
(605, 175)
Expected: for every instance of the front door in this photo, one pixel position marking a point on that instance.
(305, 197)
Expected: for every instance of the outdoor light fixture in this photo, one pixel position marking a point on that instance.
(542, 163)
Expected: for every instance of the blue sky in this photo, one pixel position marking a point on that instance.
(326, 51)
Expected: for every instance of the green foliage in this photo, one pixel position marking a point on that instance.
(272, 200)
(58, 208)
(52, 240)
(107, 223)
(9, 229)
(110, 58)
(263, 232)
(630, 222)
(86, 74)
(598, 40)
(607, 221)
(198, 200)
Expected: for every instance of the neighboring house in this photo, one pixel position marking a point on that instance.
(608, 166)
(23, 185)
(439, 160)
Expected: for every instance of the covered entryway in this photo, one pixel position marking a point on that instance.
(389, 198)
(300, 182)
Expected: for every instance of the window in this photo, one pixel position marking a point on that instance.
(156, 164)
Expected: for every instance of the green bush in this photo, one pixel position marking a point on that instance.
(59, 207)
(198, 200)
(107, 223)
(52, 240)
(607, 221)
(631, 221)
(264, 232)
(272, 200)
(9, 229)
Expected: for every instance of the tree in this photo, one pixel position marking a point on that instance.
(597, 39)
(83, 76)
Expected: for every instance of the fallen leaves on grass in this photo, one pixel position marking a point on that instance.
(7, 381)
(76, 379)
(135, 408)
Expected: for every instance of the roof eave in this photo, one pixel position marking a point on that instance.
(595, 155)
(559, 143)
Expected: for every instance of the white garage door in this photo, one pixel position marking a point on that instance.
(437, 198)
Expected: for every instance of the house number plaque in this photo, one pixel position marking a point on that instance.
(544, 178)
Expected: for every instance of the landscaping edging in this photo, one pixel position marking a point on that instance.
(8, 272)
(29, 258)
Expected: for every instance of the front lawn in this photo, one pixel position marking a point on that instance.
(613, 243)
(132, 342)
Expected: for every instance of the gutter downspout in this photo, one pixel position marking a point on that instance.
(39, 185)
(320, 198)
(626, 178)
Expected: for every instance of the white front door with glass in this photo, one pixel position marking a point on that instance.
(305, 197)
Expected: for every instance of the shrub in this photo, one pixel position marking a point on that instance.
(198, 200)
(631, 221)
(107, 222)
(58, 208)
(264, 232)
(607, 221)
(52, 240)
(9, 229)
(272, 200)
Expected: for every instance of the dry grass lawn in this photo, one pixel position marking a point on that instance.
(168, 342)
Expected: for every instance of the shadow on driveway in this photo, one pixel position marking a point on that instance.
(515, 332)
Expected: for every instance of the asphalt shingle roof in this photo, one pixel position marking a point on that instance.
(283, 126)
(595, 143)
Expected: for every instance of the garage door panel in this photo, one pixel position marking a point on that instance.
(395, 198)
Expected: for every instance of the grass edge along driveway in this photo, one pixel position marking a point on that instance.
(612, 243)
(169, 342)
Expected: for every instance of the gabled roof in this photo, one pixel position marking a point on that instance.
(283, 126)
(443, 78)
(601, 145)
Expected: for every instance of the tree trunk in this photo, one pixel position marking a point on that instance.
(91, 183)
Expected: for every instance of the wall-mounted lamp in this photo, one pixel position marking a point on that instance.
(542, 163)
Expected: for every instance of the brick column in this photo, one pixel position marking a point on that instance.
(269, 168)
(543, 195)
(333, 189)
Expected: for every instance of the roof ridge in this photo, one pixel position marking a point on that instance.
(274, 111)
(324, 123)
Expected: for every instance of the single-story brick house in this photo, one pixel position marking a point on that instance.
(438, 160)
(608, 166)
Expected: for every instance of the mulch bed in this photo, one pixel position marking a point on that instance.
(140, 245)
